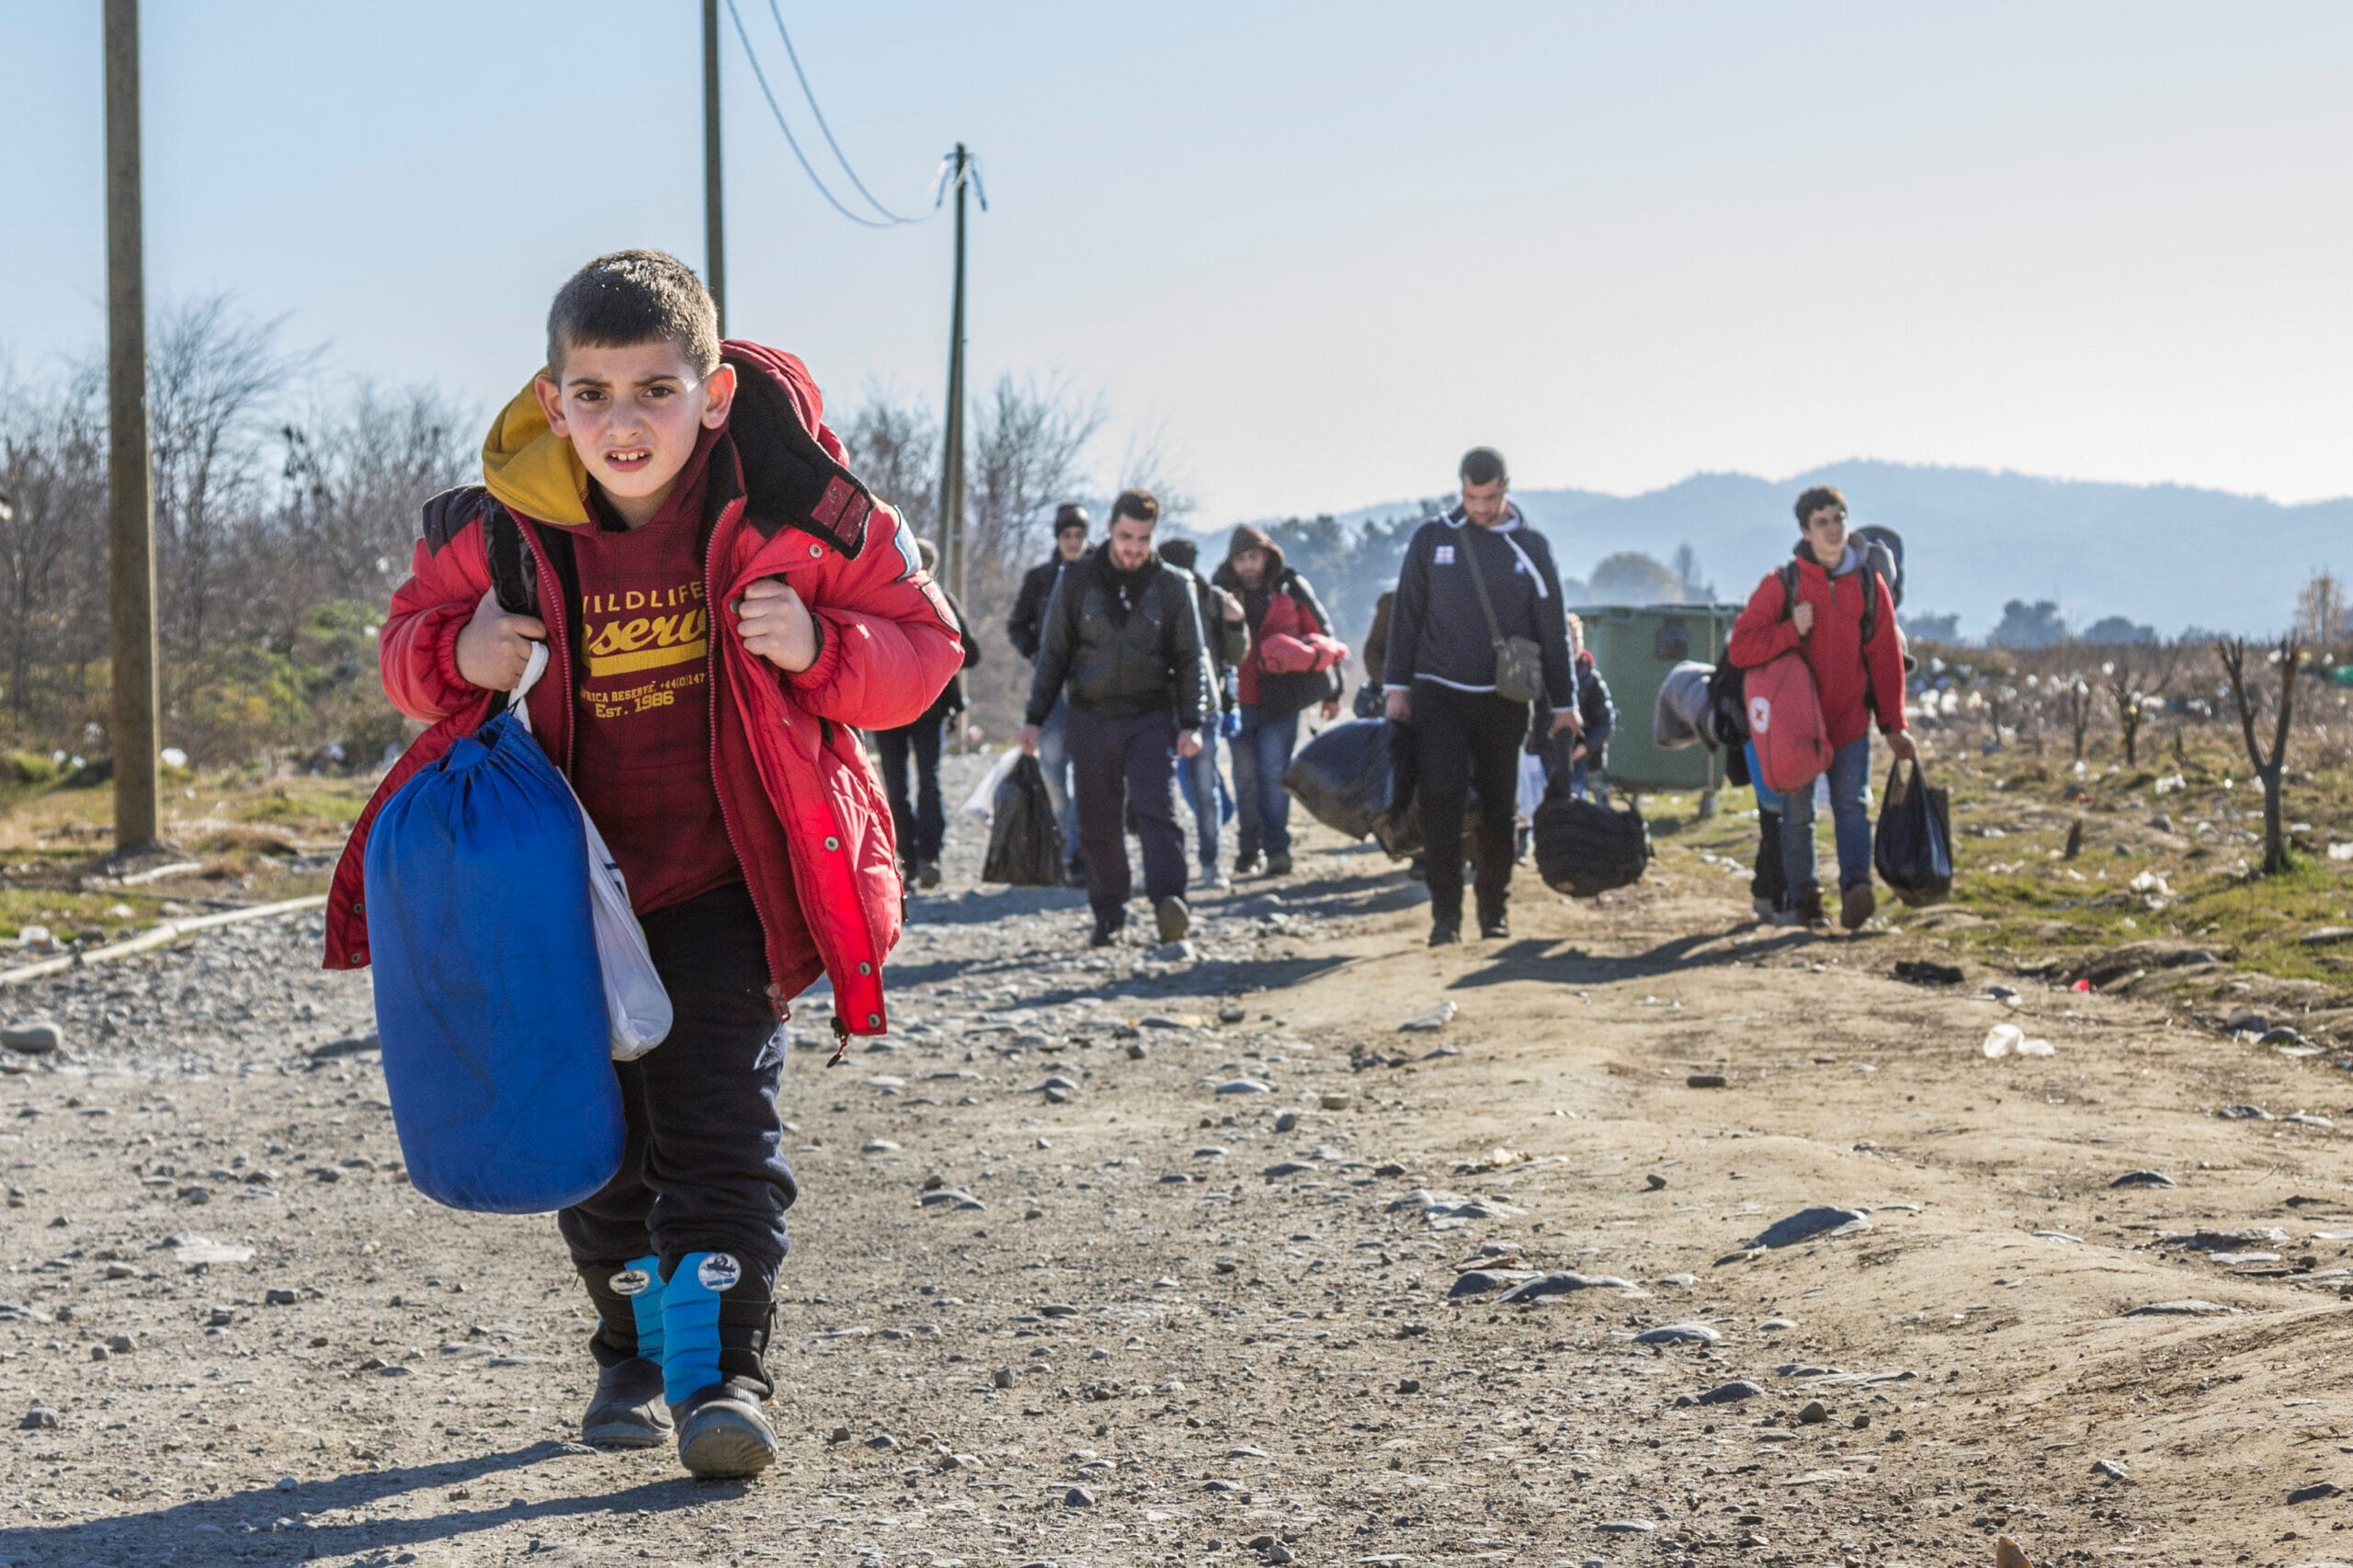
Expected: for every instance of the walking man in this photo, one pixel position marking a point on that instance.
(1023, 628)
(1123, 632)
(1477, 589)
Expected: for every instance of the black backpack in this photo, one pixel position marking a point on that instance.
(1583, 849)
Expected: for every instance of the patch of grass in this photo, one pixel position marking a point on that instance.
(64, 912)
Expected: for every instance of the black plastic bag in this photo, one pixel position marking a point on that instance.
(1584, 849)
(1913, 845)
(1025, 841)
(1356, 777)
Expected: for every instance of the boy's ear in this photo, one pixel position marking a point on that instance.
(550, 398)
(719, 396)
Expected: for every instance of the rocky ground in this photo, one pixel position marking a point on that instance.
(1308, 1245)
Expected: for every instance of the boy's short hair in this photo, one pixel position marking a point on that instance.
(635, 296)
(1141, 504)
(1815, 499)
(1485, 465)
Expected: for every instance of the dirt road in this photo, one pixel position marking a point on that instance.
(1194, 1294)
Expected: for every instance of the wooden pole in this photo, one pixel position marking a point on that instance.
(714, 227)
(953, 552)
(130, 501)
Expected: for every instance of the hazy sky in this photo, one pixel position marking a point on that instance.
(1320, 247)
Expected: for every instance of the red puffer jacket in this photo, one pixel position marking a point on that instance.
(1852, 679)
(808, 821)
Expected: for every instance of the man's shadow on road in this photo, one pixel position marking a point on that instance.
(245, 1525)
(1535, 960)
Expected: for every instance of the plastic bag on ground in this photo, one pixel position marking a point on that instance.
(2008, 1039)
(1025, 841)
(1912, 848)
(490, 999)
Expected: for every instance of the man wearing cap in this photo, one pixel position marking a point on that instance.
(1025, 626)
(1441, 678)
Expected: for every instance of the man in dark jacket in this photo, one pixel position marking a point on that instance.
(915, 810)
(1226, 643)
(1440, 673)
(1022, 629)
(1122, 630)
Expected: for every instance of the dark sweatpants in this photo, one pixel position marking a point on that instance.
(703, 1169)
(1462, 740)
(915, 810)
(1123, 765)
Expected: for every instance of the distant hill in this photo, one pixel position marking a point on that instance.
(2166, 554)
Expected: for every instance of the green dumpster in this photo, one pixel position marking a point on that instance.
(1635, 646)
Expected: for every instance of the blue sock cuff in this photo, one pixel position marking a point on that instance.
(646, 1307)
(690, 1328)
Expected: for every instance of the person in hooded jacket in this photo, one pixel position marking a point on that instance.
(723, 605)
(1277, 602)
(915, 810)
(1822, 618)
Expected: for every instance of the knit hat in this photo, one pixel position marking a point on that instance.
(1068, 516)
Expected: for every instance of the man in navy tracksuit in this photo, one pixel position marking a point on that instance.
(1440, 675)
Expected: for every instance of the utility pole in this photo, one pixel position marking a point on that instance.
(952, 553)
(714, 228)
(129, 502)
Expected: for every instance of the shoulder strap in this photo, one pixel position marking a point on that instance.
(512, 573)
(1479, 582)
(1789, 576)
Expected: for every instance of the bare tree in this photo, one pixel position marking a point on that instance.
(2077, 706)
(212, 377)
(2323, 617)
(52, 536)
(1148, 465)
(356, 472)
(2136, 686)
(2269, 767)
(1029, 441)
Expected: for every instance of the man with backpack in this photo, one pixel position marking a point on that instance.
(1293, 664)
(1833, 605)
(1225, 641)
(1024, 628)
(1476, 634)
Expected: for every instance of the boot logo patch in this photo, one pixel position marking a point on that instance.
(630, 1282)
(719, 1272)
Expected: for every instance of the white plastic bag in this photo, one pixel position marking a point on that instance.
(637, 1006)
(1532, 785)
(982, 804)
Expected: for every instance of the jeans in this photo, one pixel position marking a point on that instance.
(1463, 741)
(917, 814)
(1851, 771)
(1053, 759)
(1261, 756)
(1198, 779)
(703, 1169)
(1127, 766)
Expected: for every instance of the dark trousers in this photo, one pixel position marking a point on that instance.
(1127, 766)
(917, 815)
(703, 1169)
(1463, 741)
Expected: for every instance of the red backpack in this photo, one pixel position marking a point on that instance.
(1786, 723)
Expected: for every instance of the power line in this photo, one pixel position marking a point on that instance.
(839, 156)
(792, 141)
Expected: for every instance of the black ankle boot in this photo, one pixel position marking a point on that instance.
(716, 1322)
(627, 1410)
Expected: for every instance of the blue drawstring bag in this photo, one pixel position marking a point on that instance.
(490, 1000)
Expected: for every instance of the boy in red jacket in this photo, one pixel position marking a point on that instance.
(1823, 619)
(723, 605)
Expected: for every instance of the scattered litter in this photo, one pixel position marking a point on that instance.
(2008, 1039)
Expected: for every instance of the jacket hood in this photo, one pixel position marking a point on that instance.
(1849, 560)
(790, 465)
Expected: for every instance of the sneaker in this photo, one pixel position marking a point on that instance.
(1445, 930)
(1248, 863)
(928, 875)
(1278, 863)
(1174, 919)
(1495, 927)
(626, 1411)
(723, 1434)
(1213, 876)
(1856, 905)
(1107, 931)
(1806, 909)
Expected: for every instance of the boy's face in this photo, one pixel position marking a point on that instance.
(1825, 534)
(634, 412)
